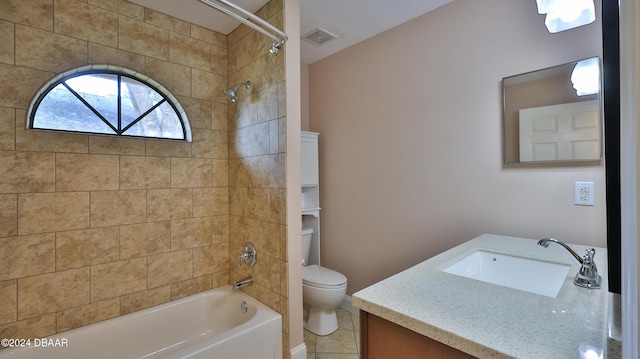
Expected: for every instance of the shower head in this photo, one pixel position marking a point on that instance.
(232, 93)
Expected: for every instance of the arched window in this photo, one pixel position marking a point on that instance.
(108, 100)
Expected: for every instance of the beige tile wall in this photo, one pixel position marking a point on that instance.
(257, 205)
(96, 227)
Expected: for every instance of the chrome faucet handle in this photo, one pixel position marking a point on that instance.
(249, 255)
(588, 276)
(588, 256)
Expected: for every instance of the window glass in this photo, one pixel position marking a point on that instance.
(160, 122)
(108, 102)
(61, 110)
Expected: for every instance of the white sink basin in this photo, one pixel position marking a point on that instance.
(533, 276)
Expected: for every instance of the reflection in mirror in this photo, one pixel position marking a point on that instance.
(553, 115)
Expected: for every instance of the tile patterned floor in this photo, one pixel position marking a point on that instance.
(344, 343)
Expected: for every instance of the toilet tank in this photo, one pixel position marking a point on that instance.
(306, 243)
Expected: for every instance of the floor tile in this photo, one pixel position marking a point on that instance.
(310, 341)
(344, 343)
(340, 341)
(335, 356)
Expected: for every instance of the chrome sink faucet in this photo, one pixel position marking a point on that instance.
(587, 276)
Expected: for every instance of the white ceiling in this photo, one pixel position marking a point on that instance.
(351, 20)
(355, 20)
(200, 13)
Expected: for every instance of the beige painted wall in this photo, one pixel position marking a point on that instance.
(410, 140)
(304, 94)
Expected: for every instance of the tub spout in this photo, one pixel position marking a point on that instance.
(244, 282)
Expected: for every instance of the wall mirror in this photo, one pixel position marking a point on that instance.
(553, 115)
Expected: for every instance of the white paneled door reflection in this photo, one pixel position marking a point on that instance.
(564, 132)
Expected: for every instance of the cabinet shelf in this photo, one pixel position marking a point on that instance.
(311, 212)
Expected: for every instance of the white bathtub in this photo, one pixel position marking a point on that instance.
(210, 324)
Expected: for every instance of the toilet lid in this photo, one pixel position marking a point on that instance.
(320, 276)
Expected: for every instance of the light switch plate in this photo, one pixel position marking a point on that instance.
(583, 194)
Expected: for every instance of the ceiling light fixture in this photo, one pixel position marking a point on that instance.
(566, 14)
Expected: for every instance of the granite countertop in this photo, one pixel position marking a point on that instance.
(487, 320)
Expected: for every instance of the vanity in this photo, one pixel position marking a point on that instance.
(428, 311)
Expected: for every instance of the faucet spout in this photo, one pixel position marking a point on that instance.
(545, 243)
(244, 282)
(587, 276)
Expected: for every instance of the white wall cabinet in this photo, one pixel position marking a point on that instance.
(309, 158)
(310, 181)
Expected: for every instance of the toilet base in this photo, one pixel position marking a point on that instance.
(321, 321)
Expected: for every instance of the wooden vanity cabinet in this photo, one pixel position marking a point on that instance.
(382, 339)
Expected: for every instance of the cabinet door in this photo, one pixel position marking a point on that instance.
(309, 159)
(382, 339)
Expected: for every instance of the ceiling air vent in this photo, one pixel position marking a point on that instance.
(318, 36)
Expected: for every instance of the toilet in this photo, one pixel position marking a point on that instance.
(323, 290)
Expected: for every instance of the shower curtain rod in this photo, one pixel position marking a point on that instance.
(258, 24)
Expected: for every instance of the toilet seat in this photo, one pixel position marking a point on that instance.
(321, 277)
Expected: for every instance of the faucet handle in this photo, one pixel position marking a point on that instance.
(241, 257)
(249, 255)
(588, 276)
(588, 255)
